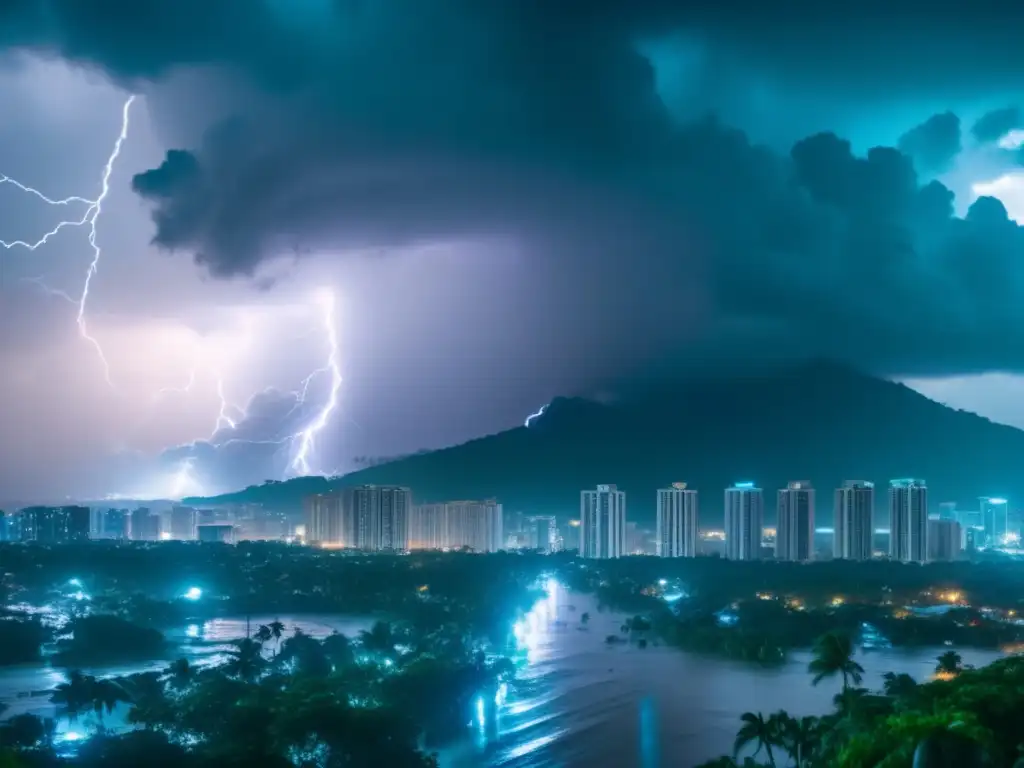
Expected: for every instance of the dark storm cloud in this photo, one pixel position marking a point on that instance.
(400, 122)
(994, 125)
(934, 144)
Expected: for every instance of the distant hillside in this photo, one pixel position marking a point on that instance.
(817, 421)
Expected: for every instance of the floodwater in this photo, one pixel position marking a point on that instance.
(576, 700)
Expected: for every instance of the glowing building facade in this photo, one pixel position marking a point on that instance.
(678, 522)
(945, 540)
(603, 522)
(853, 532)
(744, 522)
(994, 519)
(908, 520)
(474, 525)
(794, 531)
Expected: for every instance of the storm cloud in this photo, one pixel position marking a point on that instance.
(666, 185)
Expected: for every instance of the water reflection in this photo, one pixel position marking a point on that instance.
(575, 701)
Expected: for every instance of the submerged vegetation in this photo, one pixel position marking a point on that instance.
(438, 652)
(968, 718)
(440, 655)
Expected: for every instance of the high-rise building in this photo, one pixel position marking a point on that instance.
(744, 522)
(55, 525)
(183, 523)
(325, 520)
(428, 527)
(114, 524)
(854, 521)
(994, 520)
(945, 540)
(379, 517)
(947, 511)
(794, 531)
(475, 525)
(144, 525)
(571, 536)
(603, 522)
(10, 526)
(214, 533)
(678, 521)
(908, 520)
(542, 533)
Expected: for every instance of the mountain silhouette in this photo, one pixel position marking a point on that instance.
(816, 421)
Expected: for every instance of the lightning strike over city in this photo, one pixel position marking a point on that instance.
(89, 219)
(306, 438)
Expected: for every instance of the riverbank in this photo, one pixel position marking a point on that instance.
(576, 699)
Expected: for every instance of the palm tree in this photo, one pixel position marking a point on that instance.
(901, 686)
(106, 694)
(798, 736)
(276, 630)
(246, 661)
(262, 635)
(74, 696)
(150, 707)
(756, 729)
(949, 664)
(833, 655)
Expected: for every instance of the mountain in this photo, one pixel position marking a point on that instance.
(816, 421)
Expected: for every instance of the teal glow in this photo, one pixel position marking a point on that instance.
(744, 485)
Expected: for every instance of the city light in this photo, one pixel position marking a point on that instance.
(193, 593)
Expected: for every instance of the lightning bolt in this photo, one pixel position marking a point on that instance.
(537, 415)
(184, 390)
(305, 439)
(224, 419)
(302, 443)
(88, 219)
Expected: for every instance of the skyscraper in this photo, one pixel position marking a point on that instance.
(794, 532)
(379, 517)
(428, 527)
(542, 532)
(325, 521)
(368, 517)
(144, 525)
(55, 525)
(476, 525)
(183, 523)
(994, 520)
(908, 520)
(945, 539)
(854, 521)
(603, 522)
(677, 525)
(744, 522)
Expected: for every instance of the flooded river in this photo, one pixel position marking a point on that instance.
(577, 701)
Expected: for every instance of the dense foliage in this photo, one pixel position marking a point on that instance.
(758, 611)
(967, 718)
(441, 645)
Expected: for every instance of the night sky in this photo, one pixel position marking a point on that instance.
(507, 200)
